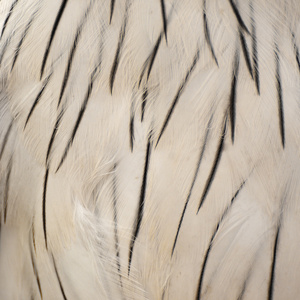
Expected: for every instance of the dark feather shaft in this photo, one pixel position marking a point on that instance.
(140, 211)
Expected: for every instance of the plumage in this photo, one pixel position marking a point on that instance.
(149, 149)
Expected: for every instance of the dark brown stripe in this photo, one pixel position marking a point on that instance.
(279, 96)
(79, 117)
(115, 64)
(144, 102)
(246, 53)
(73, 52)
(238, 16)
(254, 51)
(44, 206)
(37, 99)
(59, 280)
(140, 212)
(225, 212)
(34, 267)
(7, 188)
(192, 185)
(207, 33)
(5, 140)
(8, 17)
(53, 135)
(112, 6)
(232, 101)
(150, 60)
(131, 129)
(54, 29)
(273, 266)
(178, 94)
(164, 18)
(18, 49)
(214, 167)
(115, 211)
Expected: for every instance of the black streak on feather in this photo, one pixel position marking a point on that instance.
(115, 64)
(80, 115)
(199, 289)
(4, 48)
(192, 185)
(153, 55)
(44, 206)
(69, 65)
(279, 96)
(33, 236)
(272, 273)
(164, 18)
(247, 277)
(246, 53)
(54, 29)
(143, 70)
(17, 51)
(7, 187)
(112, 6)
(5, 140)
(179, 92)
(232, 105)
(35, 271)
(140, 212)
(242, 293)
(238, 16)
(72, 52)
(207, 33)
(37, 99)
(214, 168)
(131, 131)
(6, 44)
(8, 17)
(254, 52)
(115, 211)
(144, 102)
(54, 132)
(150, 60)
(297, 56)
(59, 280)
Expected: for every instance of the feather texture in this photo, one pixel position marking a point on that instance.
(149, 149)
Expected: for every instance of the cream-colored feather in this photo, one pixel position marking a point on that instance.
(149, 149)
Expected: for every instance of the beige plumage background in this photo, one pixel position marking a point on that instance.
(149, 149)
